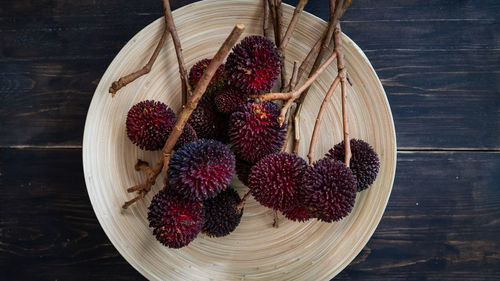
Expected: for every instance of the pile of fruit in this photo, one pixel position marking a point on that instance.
(232, 132)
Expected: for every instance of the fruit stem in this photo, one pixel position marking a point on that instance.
(169, 21)
(125, 80)
(265, 26)
(286, 106)
(343, 74)
(314, 136)
(243, 201)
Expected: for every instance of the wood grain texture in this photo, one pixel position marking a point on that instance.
(48, 230)
(446, 77)
(443, 93)
(255, 250)
(441, 223)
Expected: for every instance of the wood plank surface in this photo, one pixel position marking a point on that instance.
(439, 64)
(441, 223)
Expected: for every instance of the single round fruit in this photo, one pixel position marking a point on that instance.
(149, 123)
(328, 190)
(255, 132)
(204, 118)
(176, 221)
(276, 179)
(254, 65)
(229, 99)
(221, 214)
(201, 169)
(197, 71)
(364, 161)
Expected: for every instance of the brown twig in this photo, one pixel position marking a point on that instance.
(342, 75)
(286, 38)
(314, 136)
(323, 42)
(296, 129)
(125, 80)
(314, 50)
(326, 40)
(276, 223)
(266, 19)
(274, 16)
(296, 93)
(243, 201)
(289, 128)
(191, 104)
(169, 21)
(286, 106)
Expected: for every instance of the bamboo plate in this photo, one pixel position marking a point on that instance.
(295, 251)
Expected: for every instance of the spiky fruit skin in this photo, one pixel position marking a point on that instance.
(300, 213)
(197, 71)
(276, 179)
(188, 135)
(176, 221)
(329, 190)
(221, 214)
(149, 123)
(204, 118)
(364, 163)
(201, 169)
(242, 170)
(254, 65)
(255, 132)
(229, 99)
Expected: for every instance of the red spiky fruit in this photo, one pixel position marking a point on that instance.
(254, 65)
(228, 99)
(176, 221)
(276, 179)
(149, 123)
(255, 132)
(221, 214)
(328, 190)
(300, 213)
(197, 71)
(364, 161)
(201, 169)
(204, 118)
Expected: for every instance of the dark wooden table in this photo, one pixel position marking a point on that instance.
(439, 62)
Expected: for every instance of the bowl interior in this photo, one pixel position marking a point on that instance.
(309, 251)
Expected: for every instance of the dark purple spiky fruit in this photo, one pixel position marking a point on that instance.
(255, 132)
(149, 123)
(229, 99)
(254, 65)
(300, 213)
(364, 161)
(176, 221)
(201, 169)
(197, 71)
(276, 179)
(242, 170)
(188, 135)
(204, 118)
(222, 127)
(221, 214)
(329, 190)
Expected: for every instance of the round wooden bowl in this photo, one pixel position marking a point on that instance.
(295, 251)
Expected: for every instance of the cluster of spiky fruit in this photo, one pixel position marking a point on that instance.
(227, 133)
(326, 190)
